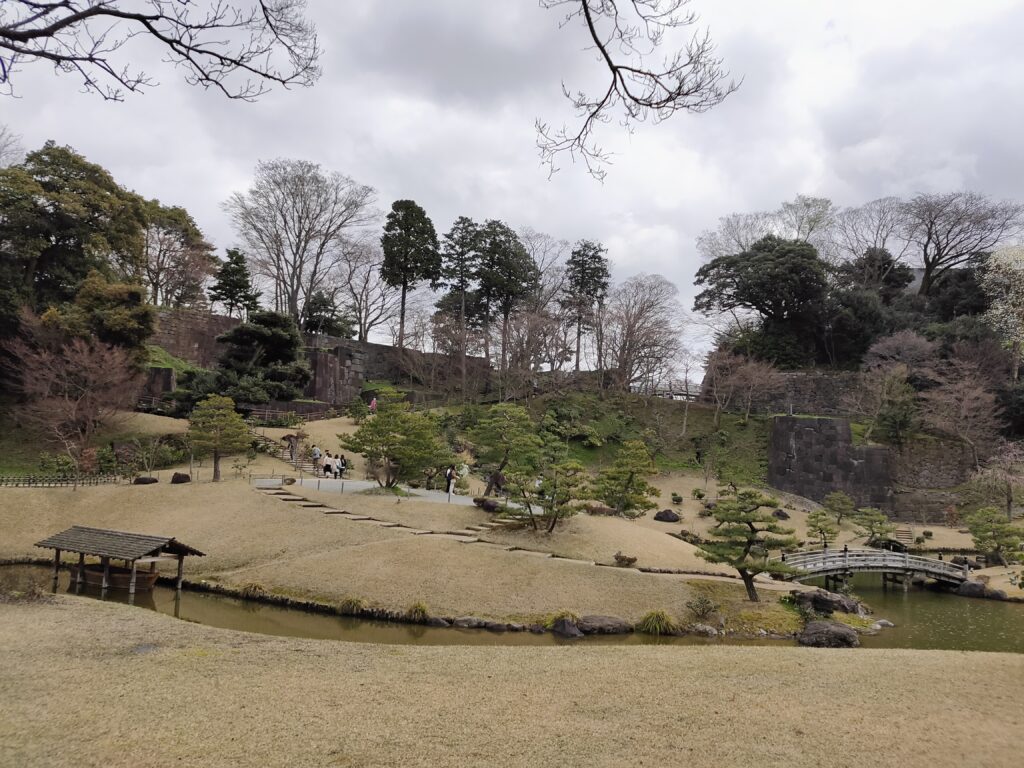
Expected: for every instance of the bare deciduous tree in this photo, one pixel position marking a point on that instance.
(236, 48)
(10, 146)
(735, 233)
(880, 224)
(721, 384)
(690, 80)
(756, 380)
(948, 229)
(73, 389)
(293, 221)
(964, 407)
(1002, 478)
(640, 331)
(906, 348)
(373, 302)
(177, 261)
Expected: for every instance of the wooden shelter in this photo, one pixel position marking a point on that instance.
(133, 548)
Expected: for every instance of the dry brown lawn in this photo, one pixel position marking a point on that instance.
(250, 537)
(94, 685)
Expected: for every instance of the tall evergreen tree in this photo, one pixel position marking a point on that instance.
(507, 275)
(233, 285)
(587, 278)
(411, 252)
(460, 257)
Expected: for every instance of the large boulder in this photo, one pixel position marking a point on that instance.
(971, 589)
(780, 514)
(667, 516)
(144, 481)
(827, 603)
(566, 627)
(828, 634)
(180, 477)
(603, 625)
(468, 622)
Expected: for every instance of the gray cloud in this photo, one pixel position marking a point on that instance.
(436, 102)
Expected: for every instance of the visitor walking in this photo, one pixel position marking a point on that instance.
(328, 464)
(340, 465)
(315, 453)
(373, 406)
(449, 476)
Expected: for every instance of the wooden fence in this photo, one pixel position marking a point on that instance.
(56, 481)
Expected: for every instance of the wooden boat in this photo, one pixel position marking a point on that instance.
(120, 578)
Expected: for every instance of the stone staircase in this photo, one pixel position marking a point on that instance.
(904, 536)
(280, 451)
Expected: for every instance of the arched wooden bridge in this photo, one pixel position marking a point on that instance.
(809, 564)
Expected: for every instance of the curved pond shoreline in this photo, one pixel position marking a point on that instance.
(924, 620)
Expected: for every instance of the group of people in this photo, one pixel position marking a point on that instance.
(331, 466)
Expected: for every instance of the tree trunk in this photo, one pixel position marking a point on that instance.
(465, 342)
(748, 582)
(493, 478)
(579, 337)
(216, 465)
(926, 280)
(1015, 365)
(401, 318)
(686, 414)
(718, 416)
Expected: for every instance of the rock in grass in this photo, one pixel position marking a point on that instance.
(667, 516)
(144, 481)
(437, 621)
(603, 625)
(828, 634)
(704, 629)
(180, 477)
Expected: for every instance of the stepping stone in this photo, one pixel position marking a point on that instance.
(452, 537)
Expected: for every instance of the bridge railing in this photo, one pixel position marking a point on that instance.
(828, 560)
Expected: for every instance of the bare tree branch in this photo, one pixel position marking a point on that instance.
(238, 48)
(690, 80)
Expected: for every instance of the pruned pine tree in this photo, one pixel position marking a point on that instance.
(744, 534)
(214, 426)
(232, 286)
(623, 485)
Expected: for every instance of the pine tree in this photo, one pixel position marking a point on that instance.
(623, 486)
(587, 278)
(744, 534)
(233, 285)
(873, 524)
(322, 316)
(411, 253)
(505, 439)
(215, 426)
(839, 505)
(821, 526)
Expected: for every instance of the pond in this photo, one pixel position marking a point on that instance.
(923, 619)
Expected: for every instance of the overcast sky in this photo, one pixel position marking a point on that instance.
(436, 101)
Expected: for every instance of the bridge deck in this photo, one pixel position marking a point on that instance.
(829, 562)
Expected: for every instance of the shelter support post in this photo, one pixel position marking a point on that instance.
(56, 567)
(131, 584)
(181, 569)
(80, 576)
(105, 561)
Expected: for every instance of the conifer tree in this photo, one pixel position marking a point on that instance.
(821, 526)
(587, 278)
(233, 285)
(505, 439)
(411, 253)
(744, 534)
(215, 426)
(839, 505)
(460, 258)
(623, 486)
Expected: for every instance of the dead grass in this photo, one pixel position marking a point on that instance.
(175, 693)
